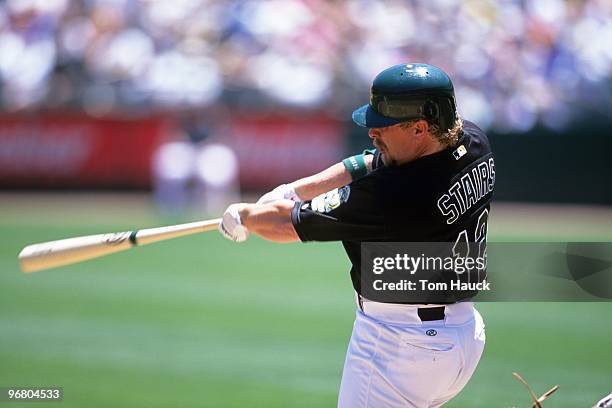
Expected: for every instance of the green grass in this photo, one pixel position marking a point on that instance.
(200, 321)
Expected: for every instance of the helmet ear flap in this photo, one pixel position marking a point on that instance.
(448, 115)
(430, 110)
(441, 112)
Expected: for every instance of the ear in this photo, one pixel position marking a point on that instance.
(421, 127)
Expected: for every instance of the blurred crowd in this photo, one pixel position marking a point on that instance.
(514, 63)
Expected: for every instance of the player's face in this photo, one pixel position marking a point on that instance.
(395, 143)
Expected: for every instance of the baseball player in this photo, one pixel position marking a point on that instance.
(429, 179)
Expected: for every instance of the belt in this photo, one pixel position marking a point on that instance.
(427, 314)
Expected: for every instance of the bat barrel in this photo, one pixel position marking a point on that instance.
(52, 254)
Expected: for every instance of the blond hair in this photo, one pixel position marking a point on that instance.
(446, 139)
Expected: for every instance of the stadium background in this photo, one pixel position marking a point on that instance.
(90, 90)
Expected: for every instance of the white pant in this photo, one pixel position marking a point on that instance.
(396, 360)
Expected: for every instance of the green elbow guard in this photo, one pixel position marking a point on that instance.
(356, 166)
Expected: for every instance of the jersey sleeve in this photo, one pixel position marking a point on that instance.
(350, 213)
(377, 161)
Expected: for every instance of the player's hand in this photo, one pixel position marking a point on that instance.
(231, 225)
(282, 192)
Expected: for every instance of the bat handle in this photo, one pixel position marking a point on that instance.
(150, 235)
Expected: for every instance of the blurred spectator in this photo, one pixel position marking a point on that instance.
(515, 63)
(195, 171)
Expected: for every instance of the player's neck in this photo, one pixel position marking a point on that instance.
(432, 146)
(427, 147)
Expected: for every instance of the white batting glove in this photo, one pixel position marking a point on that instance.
(282, 192)
(231, 225)
(326, 202)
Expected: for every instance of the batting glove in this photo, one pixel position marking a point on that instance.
(326, 202)
(231, 225)
(282, 192)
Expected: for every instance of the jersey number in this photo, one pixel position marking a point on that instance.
(462, 243)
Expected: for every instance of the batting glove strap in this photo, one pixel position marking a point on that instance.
(231, 225)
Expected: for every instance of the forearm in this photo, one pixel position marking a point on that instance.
(270, 217)
(335, 176)
(270, 221)
(332, 177)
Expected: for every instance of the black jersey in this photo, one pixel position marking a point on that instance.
(442, 197)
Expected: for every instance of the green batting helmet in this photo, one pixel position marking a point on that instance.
(407, 92)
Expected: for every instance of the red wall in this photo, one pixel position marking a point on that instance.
(77, 151)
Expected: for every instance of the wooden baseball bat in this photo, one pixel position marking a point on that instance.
(52, 254)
